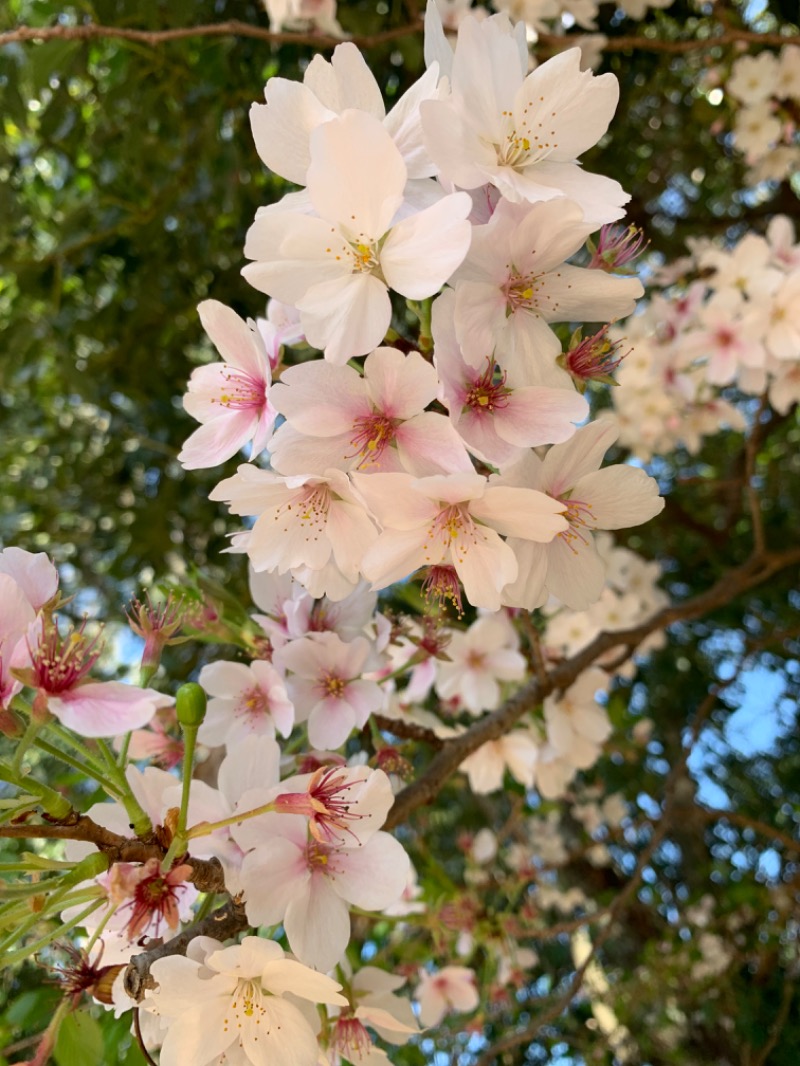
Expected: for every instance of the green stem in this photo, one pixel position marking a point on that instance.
(54, 934)
(86, 771)
(189, 743)
(86, 755)
(122, 757)
(53, 802)
(203, 829)
(25, 742)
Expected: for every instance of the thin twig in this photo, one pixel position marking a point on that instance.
(231, 28)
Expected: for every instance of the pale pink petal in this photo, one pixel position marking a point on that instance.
(374, 876)
(282, 127)
(575, 572)
(619, 496)
(357, 176)
(106, 708)
(317, 924)
(422, 252)
(400, 386)
(346, 317)
(34, 573)
(273, 876)
(520, 512)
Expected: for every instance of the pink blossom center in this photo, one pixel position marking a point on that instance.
(453, 530)
(333, 686)
(60, 663)
(724, 337)
(441, 583)
(308, 509)
(374, 433)
(242, 392)
(526, 141)
(579, 515)
(350, 1038)
(253, 703)
(520, 291)
(476, 660)
(487, 393)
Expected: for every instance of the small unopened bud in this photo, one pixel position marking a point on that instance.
(392, 762)
(190, 704)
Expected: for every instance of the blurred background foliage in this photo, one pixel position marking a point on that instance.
(128, 178)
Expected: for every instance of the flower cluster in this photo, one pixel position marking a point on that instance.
(766, 87)
(726, 316)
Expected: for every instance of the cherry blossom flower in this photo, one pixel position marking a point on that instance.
(57, 667)
(153, 899)
(303, 522)
(523, 134)
(291, 877)
(576, 724)
(515, 281)
(456, 520)
(451, 988)
(341, 803)
(283, 126)
(230, 398)
(495, 420)
(479, 659)
(619, 496)
(378, 422)
(337, 267)
(327, 688)
(517, 752)
(247, 700)
(233, 1001)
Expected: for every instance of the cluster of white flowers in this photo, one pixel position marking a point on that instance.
(730, 318)
(450, 453)
(767, 88)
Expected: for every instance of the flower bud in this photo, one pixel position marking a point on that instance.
(190, 705)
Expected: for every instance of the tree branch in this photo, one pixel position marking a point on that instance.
(223, 924)
(206, 874)
(231, 28)
(754, 572)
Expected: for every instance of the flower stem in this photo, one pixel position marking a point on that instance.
(203, 829)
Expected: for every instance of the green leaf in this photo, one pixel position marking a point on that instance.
(80, 1041)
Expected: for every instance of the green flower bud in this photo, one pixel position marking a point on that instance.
(190, 705)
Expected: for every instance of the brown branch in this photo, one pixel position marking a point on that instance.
(754, 572)
(776, 1027)
(407, 730)
(712, 814)
(206, 874)
(231, 28)
(223, 924)
(556, 42)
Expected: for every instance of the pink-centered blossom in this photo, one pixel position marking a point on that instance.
(57, 667)
(248, 700)
(326, 686)
(453, 520)
(375, 422)
(302, 522)
(569, 566)
(291, 877)
(496, 420)
(230, 398)
(515, 281)
(452, 988)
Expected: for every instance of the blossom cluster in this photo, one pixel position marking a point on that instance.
(725, 317)
(432, 264)
(767, 89)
